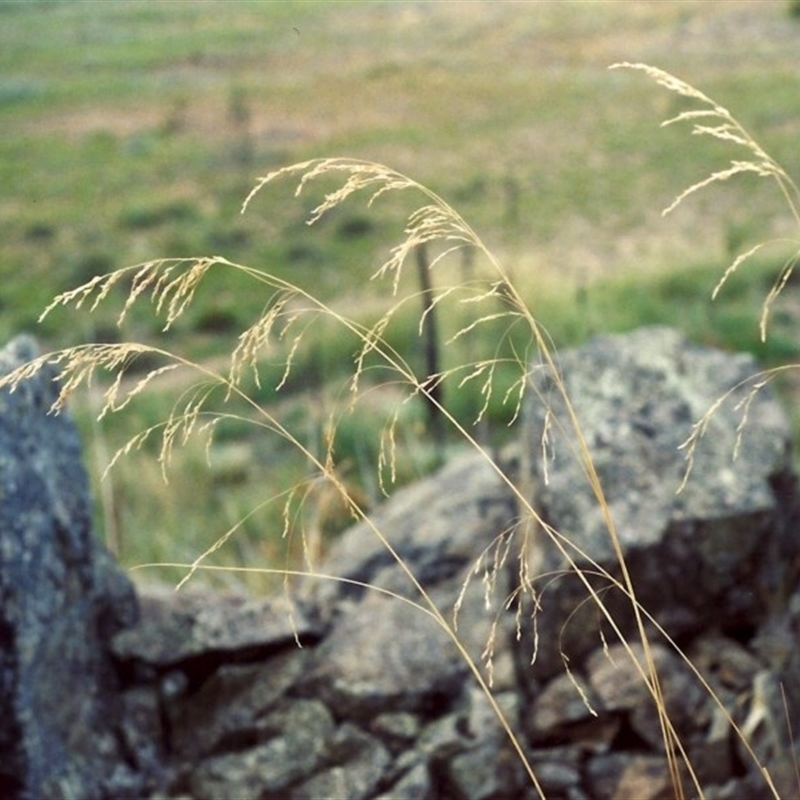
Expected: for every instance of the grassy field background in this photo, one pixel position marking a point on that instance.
(134, 129)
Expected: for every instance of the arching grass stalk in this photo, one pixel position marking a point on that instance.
(170, 285)
(711, 119)
(438, 221)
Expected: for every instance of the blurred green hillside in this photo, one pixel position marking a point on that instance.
(133, 130)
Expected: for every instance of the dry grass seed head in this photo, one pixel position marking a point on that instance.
(777, 287)
(75, 367)
(434, 221)
(361, 175)
(255, 340)
(729, 130)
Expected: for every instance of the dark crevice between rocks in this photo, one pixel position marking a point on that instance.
(10, 786)
(741, 633)
(197, 669)
(627, 738)
(242, 740)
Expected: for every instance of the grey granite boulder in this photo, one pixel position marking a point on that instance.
(188, 629)
(384, 656)
(61, 600)
(296, 748)
(713, 555)
(451, 530)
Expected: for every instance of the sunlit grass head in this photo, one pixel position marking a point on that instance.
(710, 119)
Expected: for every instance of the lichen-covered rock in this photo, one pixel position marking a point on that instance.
(232, 705)
(366, 667)
(357, 763)
(566, 710)
(616, 677)
(487, 766)
(415, 784)
(632, 776)
(439, 526)
(61, 600)
(712, 554)
(179, 629)
(450, 529)
(293, 746)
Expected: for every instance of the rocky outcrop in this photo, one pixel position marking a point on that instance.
(61, 600)
(344, 691)
(720, 552)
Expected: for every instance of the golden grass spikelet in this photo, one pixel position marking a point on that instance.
(489, 565)
(254, 340)
(670, 82)
(736, 168)
(761, 164)
(177, 294)
(387, 453)
(77, 296)
(111, 395)
(755, 383)
(361, 175)
(180, 425)
(431, 306)
(76, 366)
(170, 293)
(740, 259)
(729, 129)
(371, 341)
(434, 221)
(777, 287)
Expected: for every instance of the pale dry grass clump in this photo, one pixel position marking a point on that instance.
(714, 120)
(289, 311)
(710, 119)
(169, 285)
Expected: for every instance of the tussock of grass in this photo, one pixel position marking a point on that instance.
(170, 285)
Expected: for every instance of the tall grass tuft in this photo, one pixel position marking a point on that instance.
(708, 118)
(289, 312)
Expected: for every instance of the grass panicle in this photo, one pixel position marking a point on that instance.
(170, 286)
(715, 121)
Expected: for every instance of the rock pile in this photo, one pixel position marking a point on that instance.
(211, 696)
